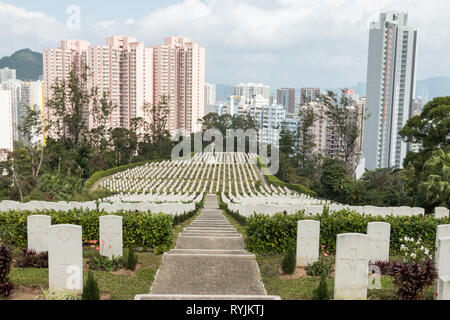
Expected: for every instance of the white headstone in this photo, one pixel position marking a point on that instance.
(308, 241)
(442, 257)
(65, 258)
(111, 236)
(443, 288)
(442, 231)
(441, 212)
(37, 232)
(379, 238)
(352, 267)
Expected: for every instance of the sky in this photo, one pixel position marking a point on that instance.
(282, 43)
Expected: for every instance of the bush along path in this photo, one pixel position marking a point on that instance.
(209, 262)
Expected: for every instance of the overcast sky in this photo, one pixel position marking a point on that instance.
(283, 43)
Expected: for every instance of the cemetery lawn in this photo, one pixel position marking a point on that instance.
(120, 285)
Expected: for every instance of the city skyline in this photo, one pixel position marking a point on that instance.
(260, 50)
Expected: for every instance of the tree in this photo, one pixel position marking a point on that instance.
(345, 119)
(287, 142)
(125, 144)
(31, 130)
(286, 172)
(156, 141)
(306, 159)
(430, 129)
(435, 190)
(333, 180)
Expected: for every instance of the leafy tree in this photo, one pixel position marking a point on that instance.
(333, 180)
(435, 190)
(344, 117)
(431, 129)
(286, 172)
(306, 159)
(31, 130)
(287, 142)
(125, 143)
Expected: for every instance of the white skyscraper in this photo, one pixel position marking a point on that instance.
(391, 80)
(210, 94)
(7, 74)
(6, 121)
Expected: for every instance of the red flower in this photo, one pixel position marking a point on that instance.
(97, 248)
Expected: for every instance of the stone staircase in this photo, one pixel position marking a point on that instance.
(208, 263)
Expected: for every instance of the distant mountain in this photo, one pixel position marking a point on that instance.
(433, 87)
(28, 64)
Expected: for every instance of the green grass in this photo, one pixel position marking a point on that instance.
(118, 287)
(302, 288)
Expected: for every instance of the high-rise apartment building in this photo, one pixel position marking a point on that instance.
(250, 91)
(133, 75)
(286, 97)
(391, 80)
(327, 140)
(179, 74)
(210, 94)
(7, 74)
(6, 121)
(309, 95)
(15, 89)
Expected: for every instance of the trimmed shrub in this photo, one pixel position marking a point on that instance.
(288, 265)
(90, 290)
(321, 292)
(132, 260)
(6, 286)
(275, 234)
(140, 229)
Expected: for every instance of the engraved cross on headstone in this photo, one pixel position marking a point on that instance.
(354, 263)
(38, 234)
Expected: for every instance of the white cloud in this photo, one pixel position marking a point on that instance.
(281, 42)
(105, 24)
(18, 25)
(322, 39)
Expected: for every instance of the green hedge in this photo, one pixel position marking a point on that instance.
(265, 234)
(148, 230)
(271, 179)
(105, 173)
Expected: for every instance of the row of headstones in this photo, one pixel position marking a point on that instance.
(263, 206)
(65, 247)
(354, 251)
(165, 208)
(150, 198)
(8, 205)
(137, 179)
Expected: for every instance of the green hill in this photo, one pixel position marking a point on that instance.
(28, 64)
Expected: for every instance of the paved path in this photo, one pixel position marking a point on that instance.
(208, 262)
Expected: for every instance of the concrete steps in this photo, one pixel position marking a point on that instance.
(208, 274)
(209, 262)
